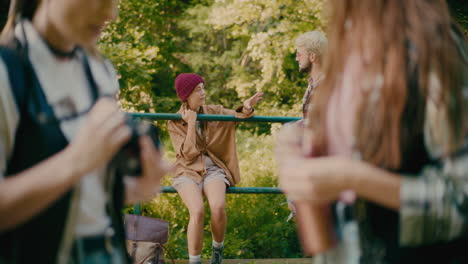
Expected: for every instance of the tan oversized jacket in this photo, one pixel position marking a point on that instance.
(219, 145)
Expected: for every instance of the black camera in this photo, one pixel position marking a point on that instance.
(127, 160)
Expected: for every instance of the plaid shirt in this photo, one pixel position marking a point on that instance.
(434, 205)
(306, 100)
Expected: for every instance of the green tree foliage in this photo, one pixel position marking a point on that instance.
(245, 46)
(238, 46)
(241, 47)
(140, 43)
(459, 10)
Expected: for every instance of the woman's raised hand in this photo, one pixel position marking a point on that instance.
(252, 101)
(189, 116)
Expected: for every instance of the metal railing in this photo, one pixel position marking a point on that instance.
(266, 119)
(244, 190)
(226, 118)
(249, 190)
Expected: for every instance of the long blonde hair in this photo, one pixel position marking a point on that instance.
(399, 42)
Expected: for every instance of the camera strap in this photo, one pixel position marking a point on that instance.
(110, 174)
(91, 81)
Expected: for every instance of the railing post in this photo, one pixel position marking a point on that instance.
(136, 209)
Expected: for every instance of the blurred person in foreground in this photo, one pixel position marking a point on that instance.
(60, 200)
(389, 124)
(206, 161)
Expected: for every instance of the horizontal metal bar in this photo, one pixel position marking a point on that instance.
(246, 190)
(167, 116)
(251, 190)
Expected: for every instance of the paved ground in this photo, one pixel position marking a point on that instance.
(252, 261)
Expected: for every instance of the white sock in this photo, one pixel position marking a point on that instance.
(196, 258)
(218, 244)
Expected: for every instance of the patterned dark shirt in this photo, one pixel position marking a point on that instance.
(307, 99)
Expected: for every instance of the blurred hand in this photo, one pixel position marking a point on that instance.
(252, 101)
(102, 135)
(189, 116)
(317, 179)
(320, 179)
(154, 169)
(288, 142)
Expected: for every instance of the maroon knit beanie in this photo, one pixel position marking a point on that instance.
(185, 83)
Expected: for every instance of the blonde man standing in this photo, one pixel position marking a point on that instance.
(310, 48)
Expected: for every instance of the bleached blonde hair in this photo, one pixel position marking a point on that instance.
(314, 42)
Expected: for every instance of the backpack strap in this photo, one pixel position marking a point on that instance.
(19, 71)
(17, 74)
(167, 251)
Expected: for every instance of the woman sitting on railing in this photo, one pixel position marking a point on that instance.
(206, 161)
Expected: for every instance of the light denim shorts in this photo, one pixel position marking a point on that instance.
(213, 172)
